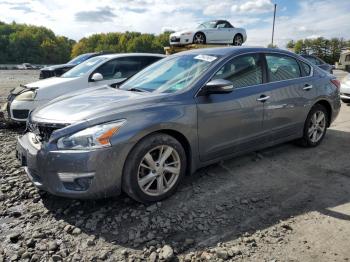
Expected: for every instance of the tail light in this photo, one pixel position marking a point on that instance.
(336, 83)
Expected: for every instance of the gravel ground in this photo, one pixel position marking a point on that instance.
(280, 204)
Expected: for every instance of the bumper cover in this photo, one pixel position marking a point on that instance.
(100, 171)
(181, 40)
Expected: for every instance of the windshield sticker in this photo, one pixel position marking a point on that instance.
(207, 58)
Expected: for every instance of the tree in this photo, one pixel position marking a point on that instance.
(327, 49)
(122, 43)
(21, 43)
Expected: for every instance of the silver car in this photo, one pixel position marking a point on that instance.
(184, 112)
(345, 89)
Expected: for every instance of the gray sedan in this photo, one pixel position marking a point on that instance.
(182, 113)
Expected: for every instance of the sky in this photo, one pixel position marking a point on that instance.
(296, 19)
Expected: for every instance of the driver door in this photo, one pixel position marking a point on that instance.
(223, 34)
(232, 122)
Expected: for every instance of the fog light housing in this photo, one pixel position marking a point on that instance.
(76, 181)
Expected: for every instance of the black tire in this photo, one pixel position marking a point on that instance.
(136, 156)
(306, 141)
(197, 36)
(237, 40)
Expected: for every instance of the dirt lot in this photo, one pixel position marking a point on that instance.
(12, 78)
(280, 204)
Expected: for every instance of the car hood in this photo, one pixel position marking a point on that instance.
(49, 82)
(54, 67)
(98, 102)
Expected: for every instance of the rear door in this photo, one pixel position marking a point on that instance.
(228, 123)
(290, 95)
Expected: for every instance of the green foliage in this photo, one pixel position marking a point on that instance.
(272, 46)
(122, 43)
(327, 49)
(21, 43)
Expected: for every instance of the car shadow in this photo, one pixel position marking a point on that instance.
(223, 201)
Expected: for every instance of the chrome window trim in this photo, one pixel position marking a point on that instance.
(268, 82)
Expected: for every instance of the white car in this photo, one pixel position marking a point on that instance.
(345, 89)
(96, 71)
(211, 32)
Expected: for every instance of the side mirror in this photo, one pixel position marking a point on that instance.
(217, 86)
(96, 77)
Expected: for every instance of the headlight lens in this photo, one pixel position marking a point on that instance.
(91, 138)
(26, 96)
(187, 33)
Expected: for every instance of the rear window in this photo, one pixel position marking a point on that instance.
(282, 67)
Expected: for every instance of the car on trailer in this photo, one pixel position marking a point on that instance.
(210, 32)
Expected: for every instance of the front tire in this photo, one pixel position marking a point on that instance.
(199, 38)
(315, 126)
(154, 168)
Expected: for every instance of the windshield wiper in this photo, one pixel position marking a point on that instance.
(135, 89)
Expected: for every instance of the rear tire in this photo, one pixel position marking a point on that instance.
(315, 126)
(238, 40)
(154, 168)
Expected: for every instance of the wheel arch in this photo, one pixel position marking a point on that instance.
(328, 107)
(184, 142)
(179, 136)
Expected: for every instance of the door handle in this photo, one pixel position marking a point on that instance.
(307, 87)
(263, 98)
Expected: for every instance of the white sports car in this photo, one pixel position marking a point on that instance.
(211, 32)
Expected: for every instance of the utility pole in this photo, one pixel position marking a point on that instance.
(273, 25)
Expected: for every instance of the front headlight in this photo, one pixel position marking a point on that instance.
(26, 96)
(187, 33)
(91, 138)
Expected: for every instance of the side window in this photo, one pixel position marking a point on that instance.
(147, 60)
(220, 25)
(347, 58)
(227, 25)
(123, 67)
(319, 61)
(242, 71)
(307, 68)
(281, 67)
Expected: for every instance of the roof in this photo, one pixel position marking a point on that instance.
(230, 50)
(131, 54)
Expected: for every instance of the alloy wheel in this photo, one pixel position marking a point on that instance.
(238, 41)
(317, 126)
(159, 170)
(199, 39)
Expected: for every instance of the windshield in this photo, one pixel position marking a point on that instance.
(170, 75)
(210, 24)
(84, 67)
(79, 59)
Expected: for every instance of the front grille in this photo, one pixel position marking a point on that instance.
(175, 39)
(20, 113)
(46, 74)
